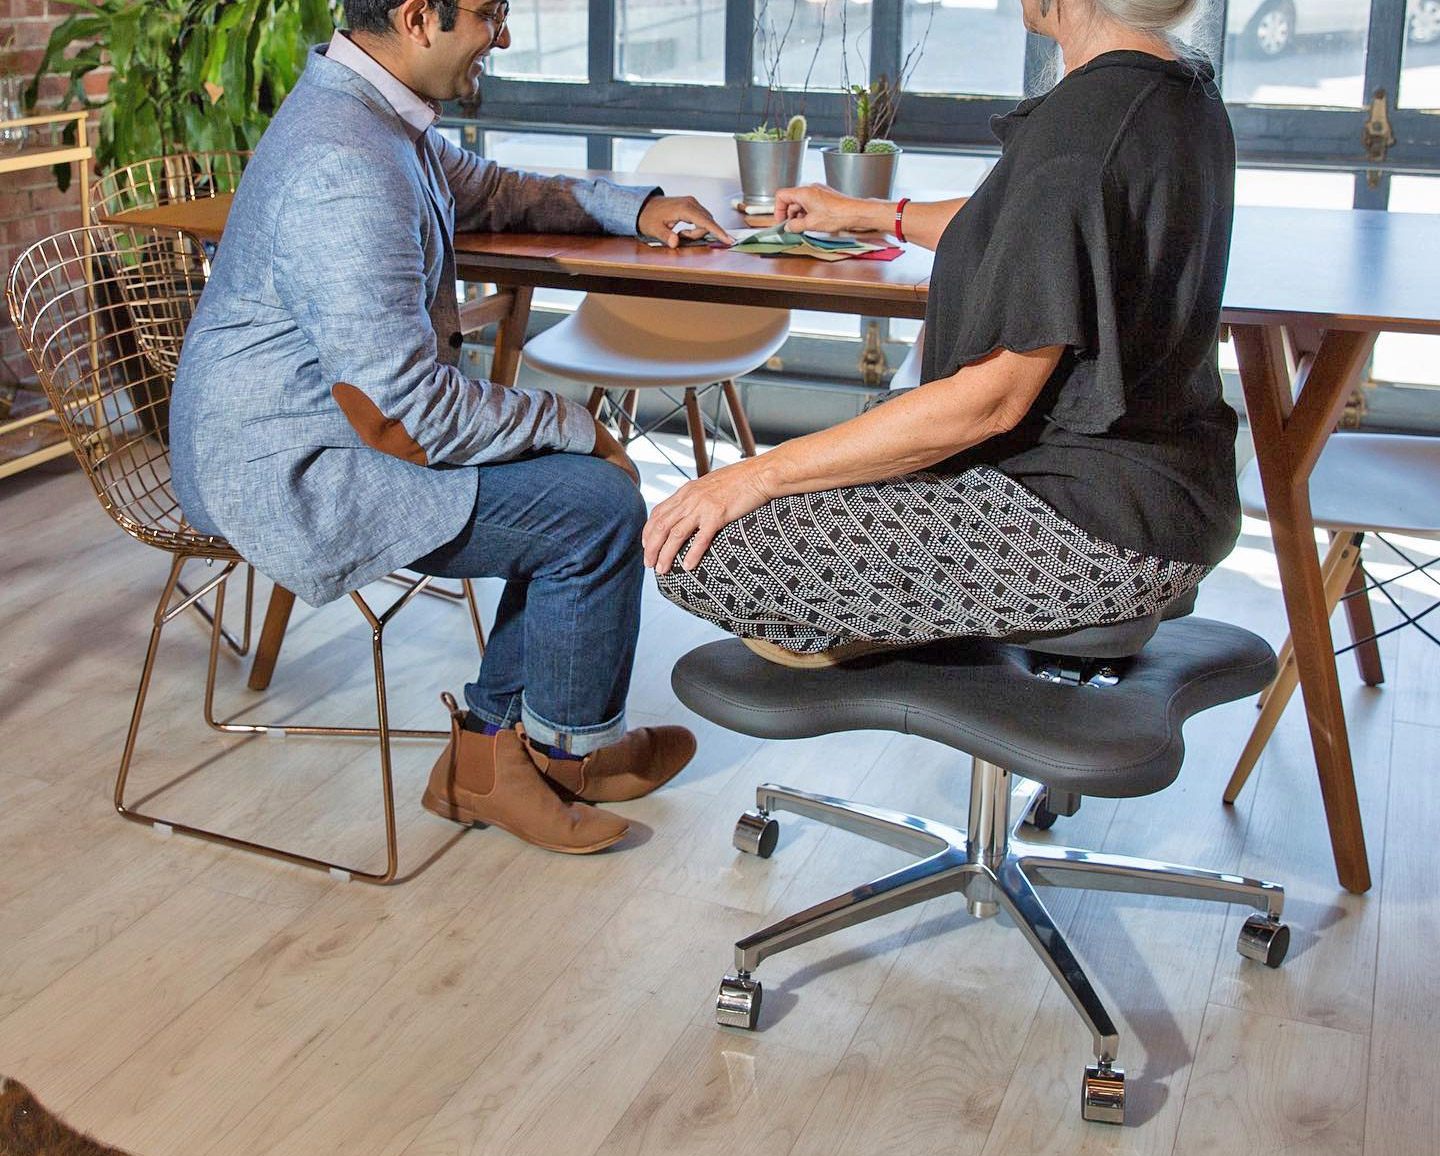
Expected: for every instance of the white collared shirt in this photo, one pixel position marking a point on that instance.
(417, 112)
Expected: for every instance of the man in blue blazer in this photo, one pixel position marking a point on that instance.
(320, 422)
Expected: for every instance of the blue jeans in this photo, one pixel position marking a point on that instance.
(563, 530)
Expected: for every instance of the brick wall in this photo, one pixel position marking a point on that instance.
(31, 207)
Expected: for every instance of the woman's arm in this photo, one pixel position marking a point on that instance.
(822, 209)
(926, 425)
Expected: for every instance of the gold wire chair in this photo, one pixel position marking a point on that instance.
(146, 184)
(77, 300)
(126, 194)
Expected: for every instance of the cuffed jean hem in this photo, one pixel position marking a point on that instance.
(505, 721)
(572, 740)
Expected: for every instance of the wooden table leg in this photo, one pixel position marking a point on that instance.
(267, 650)
(510, 337)
(1289, 435)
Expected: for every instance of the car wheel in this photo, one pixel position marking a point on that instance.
(1272, 31)
(1425, 22)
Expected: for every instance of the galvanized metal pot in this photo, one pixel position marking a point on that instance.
(767, 166)
(861, 174)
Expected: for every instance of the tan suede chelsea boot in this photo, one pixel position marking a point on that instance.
(493, 779)
(632, 766)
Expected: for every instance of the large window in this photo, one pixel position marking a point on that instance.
(1302, 80)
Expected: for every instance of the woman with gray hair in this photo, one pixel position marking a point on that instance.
(1068, 459)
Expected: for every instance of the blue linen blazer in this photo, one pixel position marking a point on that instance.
(318, 413)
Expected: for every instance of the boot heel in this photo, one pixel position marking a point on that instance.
(446, 809)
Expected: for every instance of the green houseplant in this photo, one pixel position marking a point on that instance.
(188, 75)
(863, 163)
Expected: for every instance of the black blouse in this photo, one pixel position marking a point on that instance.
(1105, 227)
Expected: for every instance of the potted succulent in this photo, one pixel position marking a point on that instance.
(770, 155)
(863, 163)
(770, 160)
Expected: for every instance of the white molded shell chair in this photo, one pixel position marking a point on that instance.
(1363, 483)
(633, 343)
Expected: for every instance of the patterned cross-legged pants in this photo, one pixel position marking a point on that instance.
(917, 558)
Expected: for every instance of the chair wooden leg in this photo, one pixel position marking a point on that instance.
(1340, 563)
(597, 396)
(628, 406)
(1362, 627)
(738, 418)
(696, 423)
(272, 634)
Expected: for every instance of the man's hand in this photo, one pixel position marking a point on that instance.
(613, 452)
(701, 508)
(660, 215)
(822, 209)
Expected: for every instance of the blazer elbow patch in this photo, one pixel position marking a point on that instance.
(376, 430)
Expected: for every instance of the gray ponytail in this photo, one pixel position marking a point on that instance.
(1148, 15)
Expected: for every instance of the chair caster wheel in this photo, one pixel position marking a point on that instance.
(756, 834)
(1040, 816)
(1102, 1094)
(738, 1004)
(1264, 940)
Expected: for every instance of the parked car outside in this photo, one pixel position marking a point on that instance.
(1269, 27)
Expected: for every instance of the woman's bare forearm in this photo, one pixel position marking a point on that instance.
(923, 222)
(927, 425)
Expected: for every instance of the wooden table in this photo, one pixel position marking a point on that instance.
(1309, 291)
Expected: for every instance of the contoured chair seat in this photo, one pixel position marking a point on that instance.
(1388, 483)
(983, 697)
(628, 343)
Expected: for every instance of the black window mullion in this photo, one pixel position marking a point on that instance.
(887, 25)
(739, 44)
(600, 52)
(1385, 45)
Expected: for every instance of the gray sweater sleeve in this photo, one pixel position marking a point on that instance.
(492, 199)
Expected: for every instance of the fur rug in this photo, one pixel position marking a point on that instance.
(27, 1129)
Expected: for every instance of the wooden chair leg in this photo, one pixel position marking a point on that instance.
(1340, 563)
(272, 633)
(629, 404)
(738, 418)
(696, 423)
(597, 395)
(1362, 629)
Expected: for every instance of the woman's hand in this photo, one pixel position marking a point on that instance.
(822, 209)
(701, 508)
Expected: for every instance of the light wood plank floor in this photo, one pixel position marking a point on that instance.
(181, 1000)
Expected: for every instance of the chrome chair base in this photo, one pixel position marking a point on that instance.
(994, 870)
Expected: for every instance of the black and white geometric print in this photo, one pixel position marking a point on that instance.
(917, 558)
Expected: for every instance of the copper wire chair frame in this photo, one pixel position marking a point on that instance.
(86, 248)
(164, 613)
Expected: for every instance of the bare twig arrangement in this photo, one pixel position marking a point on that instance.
(779, 121)
(871, 110)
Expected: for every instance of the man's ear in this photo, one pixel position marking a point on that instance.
(412, 19)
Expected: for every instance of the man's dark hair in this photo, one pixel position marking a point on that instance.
(374, 15)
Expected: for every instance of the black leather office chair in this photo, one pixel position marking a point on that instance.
(1047, 720)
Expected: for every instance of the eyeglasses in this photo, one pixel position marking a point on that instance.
(497, 15)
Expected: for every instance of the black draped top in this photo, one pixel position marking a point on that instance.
(1105, 228)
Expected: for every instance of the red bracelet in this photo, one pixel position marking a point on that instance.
(900, 219)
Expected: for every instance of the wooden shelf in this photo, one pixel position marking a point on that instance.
(30, 434)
